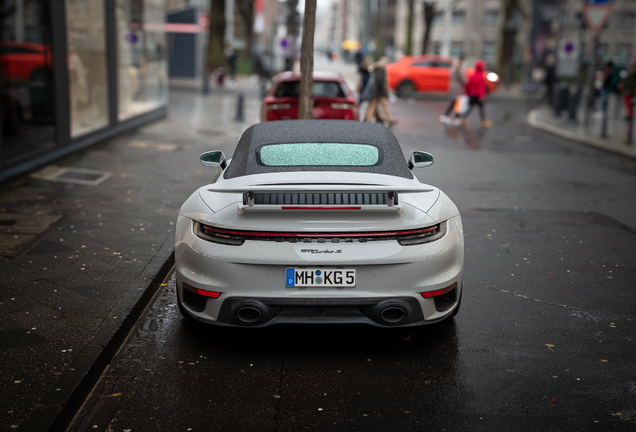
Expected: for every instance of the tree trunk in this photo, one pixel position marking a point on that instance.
(429, 14)
(246, 9)
(306, 96)
(216, 34)
(409, 29)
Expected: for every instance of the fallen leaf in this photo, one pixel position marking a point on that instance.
(550, 346)
(553, 400)
(604, 361)
(408, 338)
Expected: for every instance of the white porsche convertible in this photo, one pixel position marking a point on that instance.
(319, 222)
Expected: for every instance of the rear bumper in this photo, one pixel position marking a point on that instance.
(265, 312)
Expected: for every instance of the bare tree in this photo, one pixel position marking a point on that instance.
(306, 96)
(216, 46)
(246, 9)
(409, 29)
(511, 8)
(428, 15)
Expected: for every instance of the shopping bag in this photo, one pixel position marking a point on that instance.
(461, 105)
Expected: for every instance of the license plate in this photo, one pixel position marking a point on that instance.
(320, 277)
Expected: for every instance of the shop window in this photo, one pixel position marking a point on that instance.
(27, 91)
(87, 70)
(141, 52)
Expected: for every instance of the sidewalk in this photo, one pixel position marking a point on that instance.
(92, 239)
(543, 118)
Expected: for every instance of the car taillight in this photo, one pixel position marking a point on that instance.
(216, 235)
(343, 106)
(439, 292)
(348, 115)
(280, 106)
(426, 236)
(211, 294)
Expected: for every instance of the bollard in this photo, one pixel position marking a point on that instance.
(239, 109)
(630, 124)
(561, 99)
(573, 104)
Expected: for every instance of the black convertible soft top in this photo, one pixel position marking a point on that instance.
(244, 161)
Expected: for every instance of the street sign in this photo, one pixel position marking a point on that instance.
(596, 16)
(568, 58)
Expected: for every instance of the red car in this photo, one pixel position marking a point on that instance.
(25, 61)
(428, 73)
(332, 98)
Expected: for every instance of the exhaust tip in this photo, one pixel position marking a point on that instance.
(393, 314)
(249, 315)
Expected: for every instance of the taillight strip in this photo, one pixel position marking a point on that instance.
(319, 208)
(429, 294)
(220, 231)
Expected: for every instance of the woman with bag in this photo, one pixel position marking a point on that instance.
(476, 91)
(456, 89)
(379, 92)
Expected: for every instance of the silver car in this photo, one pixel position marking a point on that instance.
(318, 222)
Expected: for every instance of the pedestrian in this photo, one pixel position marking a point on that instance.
(550, 77)
(628, 88)
(608, 84)
(379, 92)
(476, 90)
(457, 83)
(364, 79)
(230, 60)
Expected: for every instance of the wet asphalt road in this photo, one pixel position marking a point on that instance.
(544, 339)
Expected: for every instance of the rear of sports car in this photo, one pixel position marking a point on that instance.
(330, 256)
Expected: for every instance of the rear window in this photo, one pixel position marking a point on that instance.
(319, 154)
(321, 89)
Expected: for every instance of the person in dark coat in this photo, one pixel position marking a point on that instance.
(379, 91)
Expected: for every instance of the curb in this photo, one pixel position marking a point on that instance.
(60, 404)
(532, 121)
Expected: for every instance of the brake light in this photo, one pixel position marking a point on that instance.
(280, 106)
(211, 294)
(439, 292)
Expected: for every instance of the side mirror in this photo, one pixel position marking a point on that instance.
(420, 160)
(213, 159)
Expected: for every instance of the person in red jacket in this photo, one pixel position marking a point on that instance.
(476, 91)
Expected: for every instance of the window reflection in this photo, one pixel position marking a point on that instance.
(87, 73)
(26, 62)
(141, 55)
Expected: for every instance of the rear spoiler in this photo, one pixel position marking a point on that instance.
(320, 194)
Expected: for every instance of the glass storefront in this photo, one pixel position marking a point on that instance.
(26, 60)
(141, 56)
(75, 72)
(87, 69)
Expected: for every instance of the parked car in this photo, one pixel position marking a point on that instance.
(333, 100)
(428, 73)
(318, 222)
(26, 61)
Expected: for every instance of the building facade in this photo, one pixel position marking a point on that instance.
(75, 72)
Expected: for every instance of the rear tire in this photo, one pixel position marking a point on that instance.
(406, 89)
